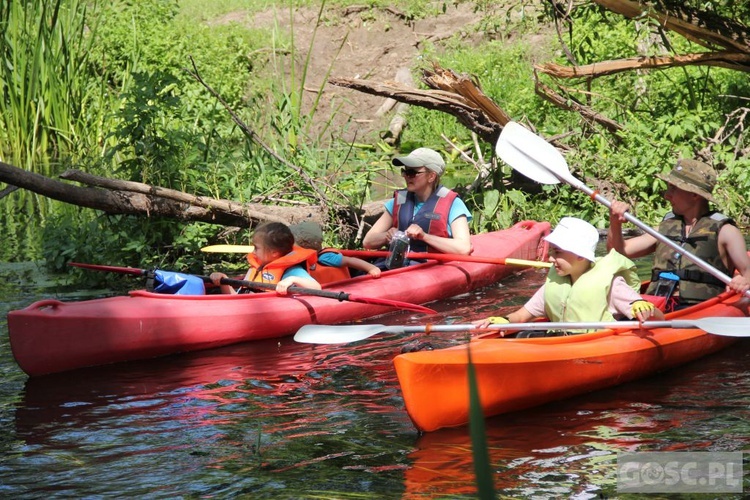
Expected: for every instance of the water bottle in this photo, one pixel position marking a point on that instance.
(398, 250)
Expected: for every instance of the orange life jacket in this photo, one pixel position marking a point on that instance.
(328, 274)
(274, 270)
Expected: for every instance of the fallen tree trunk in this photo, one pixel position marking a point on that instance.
(118, 197)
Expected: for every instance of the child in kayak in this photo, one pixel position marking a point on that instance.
(276, 259)
(332, 265)
(580, 287)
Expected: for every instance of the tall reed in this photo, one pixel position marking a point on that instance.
(49, 106)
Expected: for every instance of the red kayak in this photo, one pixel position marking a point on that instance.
(52, 336)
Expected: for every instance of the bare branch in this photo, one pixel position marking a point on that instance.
(700, 26)
(5, 192)
(569, 104)
(456, 95)
(731, 60)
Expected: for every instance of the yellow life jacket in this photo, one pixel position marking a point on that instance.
(587, 300)
(273, 271)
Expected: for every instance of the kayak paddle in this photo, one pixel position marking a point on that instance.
(342, 334)
(228, 248)
(112, 269)
(340, 296)
(447, 257)
(364, 254)
(540, 161)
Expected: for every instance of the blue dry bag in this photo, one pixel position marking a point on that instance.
(178, 283)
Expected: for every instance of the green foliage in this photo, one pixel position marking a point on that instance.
(128, 109)
(74, 236)
(44, 97)
(49, 106)
(496, 211)
(590, 45)
(148, 135)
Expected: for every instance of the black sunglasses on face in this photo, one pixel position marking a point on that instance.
(411, 173)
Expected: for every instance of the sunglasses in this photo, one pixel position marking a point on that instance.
(411, 173)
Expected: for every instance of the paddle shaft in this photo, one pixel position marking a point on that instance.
(539, 325)
(112, 269)
(228, 249)
(340, 296)
(529, 151)
(663, 239)
(342, 334)
(365, 254)
(364, 331)
(447, 257)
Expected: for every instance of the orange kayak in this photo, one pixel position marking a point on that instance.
(514, 374)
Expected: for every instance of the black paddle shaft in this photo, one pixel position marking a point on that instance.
(340, 296)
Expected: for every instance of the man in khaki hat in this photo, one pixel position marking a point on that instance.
(705, 233)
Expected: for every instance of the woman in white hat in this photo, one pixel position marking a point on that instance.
(580, 287)
(432, 216)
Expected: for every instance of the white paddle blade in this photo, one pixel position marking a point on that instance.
(341, 334)
(727, 327)
(538, 160)
(531, 155)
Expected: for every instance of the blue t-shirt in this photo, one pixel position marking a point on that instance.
(297, 271)
(331, 259)
(458, 208)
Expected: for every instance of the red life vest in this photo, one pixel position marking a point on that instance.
(432, 216)
(274, 270)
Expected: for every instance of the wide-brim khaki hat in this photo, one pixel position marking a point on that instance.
(692, 176)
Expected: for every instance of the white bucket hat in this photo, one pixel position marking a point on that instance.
(576, 236)
(422, 157)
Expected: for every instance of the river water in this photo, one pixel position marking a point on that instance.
(276, 419)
